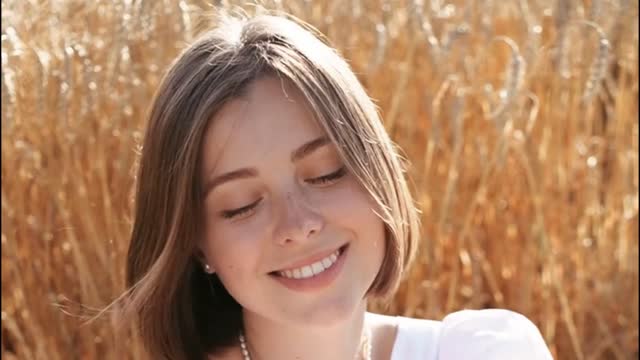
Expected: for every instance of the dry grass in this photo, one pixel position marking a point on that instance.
(520, 119)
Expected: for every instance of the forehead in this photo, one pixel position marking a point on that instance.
(271, 119)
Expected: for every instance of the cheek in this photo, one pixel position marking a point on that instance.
(352, 207)
(360, 211)
(233, 251)
(234, 262)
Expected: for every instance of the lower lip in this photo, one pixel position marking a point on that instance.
(315, 282)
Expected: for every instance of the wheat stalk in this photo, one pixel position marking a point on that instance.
(514, 79)
(425, 28)
(598, 69)
(539, 216)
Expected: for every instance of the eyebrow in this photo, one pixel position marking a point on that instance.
(245, 173)
(308, 148)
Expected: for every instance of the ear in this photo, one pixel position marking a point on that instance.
(200, 258)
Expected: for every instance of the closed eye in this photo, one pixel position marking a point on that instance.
(329, 178)
(229, 214)
(321, 180)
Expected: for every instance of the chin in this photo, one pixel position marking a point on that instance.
(328, 313)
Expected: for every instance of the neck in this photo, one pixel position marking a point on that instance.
(269, 340)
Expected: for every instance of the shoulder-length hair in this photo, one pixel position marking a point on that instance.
(179, 311)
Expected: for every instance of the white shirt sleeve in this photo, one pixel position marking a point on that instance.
(491, 334)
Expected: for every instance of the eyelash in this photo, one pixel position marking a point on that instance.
(329, 178)
(322, 180)
(229, 214)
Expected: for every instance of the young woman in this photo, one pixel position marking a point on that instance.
(271, 204)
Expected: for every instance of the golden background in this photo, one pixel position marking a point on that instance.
(519, 117)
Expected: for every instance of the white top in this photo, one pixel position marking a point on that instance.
(490, 334)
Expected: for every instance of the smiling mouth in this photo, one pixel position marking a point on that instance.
(313, 269)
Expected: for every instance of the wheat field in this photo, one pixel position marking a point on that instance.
(519, 119)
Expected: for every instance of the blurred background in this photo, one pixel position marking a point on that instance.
(519, 118)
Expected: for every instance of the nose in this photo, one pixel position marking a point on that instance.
(298, 221)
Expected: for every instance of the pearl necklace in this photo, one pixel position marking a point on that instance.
(366, 344)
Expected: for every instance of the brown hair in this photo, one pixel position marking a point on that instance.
(181, 312)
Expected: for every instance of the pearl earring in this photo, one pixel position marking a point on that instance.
(207, 269)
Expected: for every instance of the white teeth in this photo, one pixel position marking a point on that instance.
(311, 270)
(317, 268)
(307, 272)
(297, 274)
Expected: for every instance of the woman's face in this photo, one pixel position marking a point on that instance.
(290, 233)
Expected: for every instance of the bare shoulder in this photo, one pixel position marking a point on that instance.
(383, 325)
(384, 330)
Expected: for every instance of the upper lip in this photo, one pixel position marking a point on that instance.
(309, 259)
